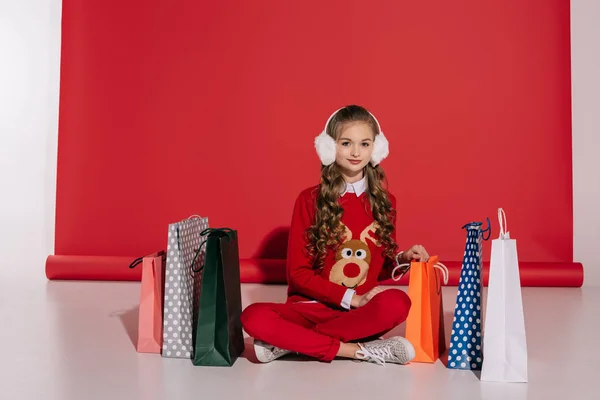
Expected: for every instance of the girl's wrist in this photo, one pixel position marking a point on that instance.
(355, 301)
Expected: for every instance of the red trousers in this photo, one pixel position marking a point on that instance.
(316, 330)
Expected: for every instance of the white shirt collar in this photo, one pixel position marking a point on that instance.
(357, 188)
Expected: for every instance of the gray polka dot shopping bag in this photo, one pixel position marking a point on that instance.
(182, 286)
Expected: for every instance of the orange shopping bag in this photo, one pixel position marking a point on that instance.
(425, 322)
(150, 323)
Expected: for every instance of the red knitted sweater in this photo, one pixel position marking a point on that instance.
(358, 264)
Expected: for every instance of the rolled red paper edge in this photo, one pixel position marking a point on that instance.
(540, 274)
(532, 274)
(93, 268)
(273, 271)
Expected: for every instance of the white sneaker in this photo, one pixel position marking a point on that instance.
(396, 350)
(266, 353)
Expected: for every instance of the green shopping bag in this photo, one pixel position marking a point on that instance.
(219, 340)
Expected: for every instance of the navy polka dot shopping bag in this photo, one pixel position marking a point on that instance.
(465, 340)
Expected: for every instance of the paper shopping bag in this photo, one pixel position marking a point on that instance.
(425, 321)
(150, 321)
(504, 344)
(182, 285)
(219, 337)
(465, 340)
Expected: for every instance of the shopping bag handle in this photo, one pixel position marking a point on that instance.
(444, 270)
(136, 262)
(503, 225)
(196, 256)
(139, 260)
(488, 230)
(208, 231)
(402, 267)
(406, 266)
(445, 275)
(403, 270)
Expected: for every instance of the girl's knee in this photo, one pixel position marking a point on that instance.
(396, 304)
(399, 297)
(253, 317)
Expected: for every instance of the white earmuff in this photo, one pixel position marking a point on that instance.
(325, 145)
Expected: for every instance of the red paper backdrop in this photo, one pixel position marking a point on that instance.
(173, 108)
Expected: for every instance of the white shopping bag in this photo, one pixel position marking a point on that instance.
(504, 341)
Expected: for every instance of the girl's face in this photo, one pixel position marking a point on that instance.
(354, 147)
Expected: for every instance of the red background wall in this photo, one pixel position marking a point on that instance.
(173, 108)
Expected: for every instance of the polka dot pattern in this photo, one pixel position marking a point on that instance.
(182, 286)
(465, 340)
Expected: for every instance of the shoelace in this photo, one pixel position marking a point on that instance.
(277, 351)
(375, 355)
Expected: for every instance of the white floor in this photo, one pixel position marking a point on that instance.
(73, 340)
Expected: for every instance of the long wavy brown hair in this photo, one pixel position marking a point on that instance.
(327, 232)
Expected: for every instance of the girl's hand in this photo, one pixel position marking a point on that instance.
(416, 253)
(361, 300)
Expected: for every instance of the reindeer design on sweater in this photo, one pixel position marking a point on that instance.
(353, 258)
